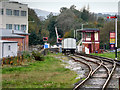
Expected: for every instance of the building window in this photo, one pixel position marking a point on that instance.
(8, 12)
(2, 11)
(23, 13)
(16, 12)
(16, 27)
(23, 27)
(8, 26)
(88, 35)
(9, 47)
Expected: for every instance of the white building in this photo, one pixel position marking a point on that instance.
(13, 15)
(8, 48)
(13, 28)
(14, 23)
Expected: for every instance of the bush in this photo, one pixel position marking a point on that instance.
(38, 56)
(26, 54)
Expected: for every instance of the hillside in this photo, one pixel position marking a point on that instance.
(43, 13)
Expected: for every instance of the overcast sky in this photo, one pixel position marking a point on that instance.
(97, 6)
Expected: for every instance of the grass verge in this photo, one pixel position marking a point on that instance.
(108, 55)
(39, 74)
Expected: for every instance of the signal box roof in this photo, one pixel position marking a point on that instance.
(89, 30)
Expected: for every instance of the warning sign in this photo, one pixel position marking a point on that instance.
(112, 35)
(112, 41)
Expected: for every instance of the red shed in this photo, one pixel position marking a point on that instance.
(90, 39)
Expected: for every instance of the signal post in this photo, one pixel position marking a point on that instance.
(115, 17)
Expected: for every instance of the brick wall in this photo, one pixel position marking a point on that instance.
(94, 47)
(23, 43)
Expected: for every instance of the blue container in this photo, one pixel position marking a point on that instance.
(45, 46)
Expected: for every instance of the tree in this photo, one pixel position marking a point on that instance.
(45, 33)
(101, 20)
(63, 9)
(73, 7)
(104, 33)
(85, 15)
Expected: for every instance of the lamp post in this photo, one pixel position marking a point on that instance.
(75, 31)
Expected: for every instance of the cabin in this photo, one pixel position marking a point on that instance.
(8, 48)
(90, 40)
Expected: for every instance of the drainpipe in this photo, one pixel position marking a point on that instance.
(12, 31)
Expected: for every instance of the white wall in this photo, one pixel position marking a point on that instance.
(0, 50)
(12, 52)
(0, 15)
(11, 19)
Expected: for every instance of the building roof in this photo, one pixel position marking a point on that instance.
(8, 1)
(6, 41)
(88, 30)
(8, 33)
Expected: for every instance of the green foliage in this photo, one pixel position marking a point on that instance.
(85, 15)
(36, 25)
(34, 28)
(38, 56)
(68, 20)
(46, 74)
(26, 55)
(109, 55)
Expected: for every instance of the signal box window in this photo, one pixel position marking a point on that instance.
(88, 35)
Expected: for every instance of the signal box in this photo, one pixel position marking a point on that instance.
(90, 39)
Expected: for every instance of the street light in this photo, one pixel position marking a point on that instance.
(75, 31)
(83, 25)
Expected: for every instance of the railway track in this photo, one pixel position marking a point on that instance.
(95, 65)
(101, 69)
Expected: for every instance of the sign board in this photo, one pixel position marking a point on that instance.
(45, 38)
(112, 41)
(87, 50)
(60, 40)
(46, 45)
(112, 46)
(112, 35)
